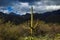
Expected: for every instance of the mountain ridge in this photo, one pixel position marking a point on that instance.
(53, 17)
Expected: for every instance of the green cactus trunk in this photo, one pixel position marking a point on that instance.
(31, 23)
(31, 19)
(31, 26)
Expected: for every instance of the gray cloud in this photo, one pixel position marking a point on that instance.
(31, 2)
(23, 6)
(48, 2)
(7, 2)
(28, 0)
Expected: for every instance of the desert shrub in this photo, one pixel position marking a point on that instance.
(10, 31)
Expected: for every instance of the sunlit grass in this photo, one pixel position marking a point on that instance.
(46, 37)
(9, 31)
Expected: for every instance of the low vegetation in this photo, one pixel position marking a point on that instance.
(41, 31)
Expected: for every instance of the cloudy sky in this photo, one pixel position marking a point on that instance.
(23, 6)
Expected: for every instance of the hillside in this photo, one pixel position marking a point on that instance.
(48, 17)
(14, 27)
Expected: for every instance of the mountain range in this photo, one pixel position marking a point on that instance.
(48, 17)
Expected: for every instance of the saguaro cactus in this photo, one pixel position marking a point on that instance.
(31, 19)
(31, 22)
(31, 26)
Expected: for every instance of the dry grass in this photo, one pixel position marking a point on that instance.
(41, 31)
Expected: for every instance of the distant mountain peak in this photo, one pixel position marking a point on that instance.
(53, 17)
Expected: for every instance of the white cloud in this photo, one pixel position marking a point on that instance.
(4, 11)
(21, 8)
(24, 4)
(52, 7)
(39, 7)
(47, 8)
